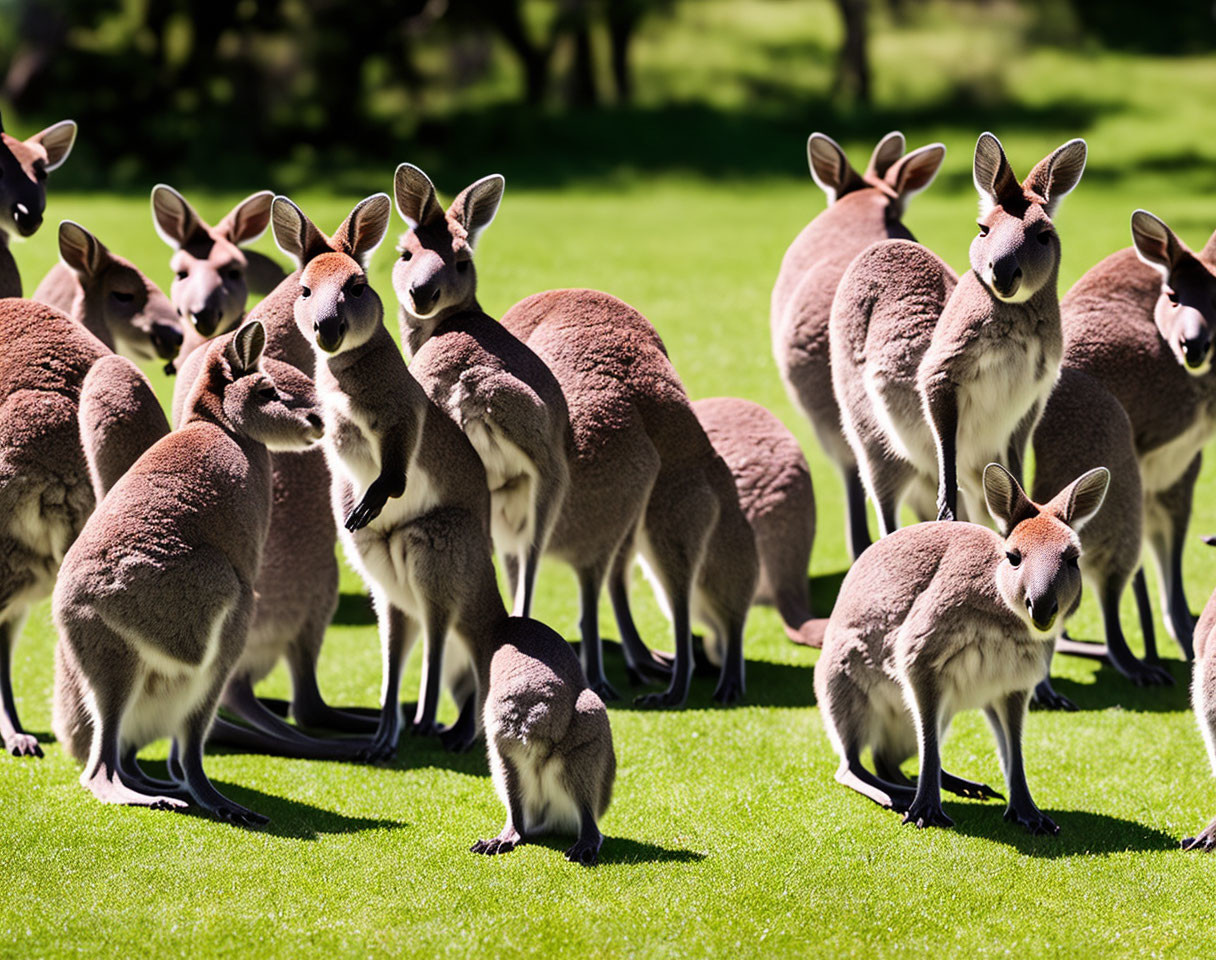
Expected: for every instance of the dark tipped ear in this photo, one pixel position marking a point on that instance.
(830, 167)
(1080, 500)
(1155, 243)
(249, 219)
(80, 250)
(296, 235)
(245, 348)
(366, 226)
(57, 140)
(174, 219)
(911, 174)
(1056, 174)
(992, 174)
(890, 148)
(476, 204)
(1007, 501)
(415, 195)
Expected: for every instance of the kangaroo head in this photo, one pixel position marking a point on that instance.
(209, 286)
(121, 305)
(1185, 311)
(1040, 576)
(335, 308)
(24, 165)
(267, 400)
(434, 274)
(1017, 252)
(891, 173)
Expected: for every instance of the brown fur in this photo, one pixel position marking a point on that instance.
(1203, 700)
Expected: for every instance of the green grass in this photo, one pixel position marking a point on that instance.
(727, 835)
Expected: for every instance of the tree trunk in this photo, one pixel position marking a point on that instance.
(853, 69)
(507, 18)
(582, 92)
(623, 17)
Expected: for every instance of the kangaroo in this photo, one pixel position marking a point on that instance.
(936, 377)
(45, 490)
(409, 491)
(1141, 321)
(549, 740)
(111, 298)
(498, 392)
(644, 475)
(941, 617)
(213, 275)
(24, 167)
(861, 209)
(1203, 700)
(178, 536)
(776, 494)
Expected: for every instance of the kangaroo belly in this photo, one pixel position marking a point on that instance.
(547, 804)
(1161, 468)
(512, 476)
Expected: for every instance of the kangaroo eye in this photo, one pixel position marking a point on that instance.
(234, 274)
(983, 229)
(406, 255)
(357, 289)
(1044, 237)
(182, 274)
(305, 292)
(1073, 560)
(1013, 557)
(123, 297)
(268, 393)
(1172, 296)
(462, 266)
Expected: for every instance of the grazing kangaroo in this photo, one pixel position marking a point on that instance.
(24, 166)
(498, 392)
(1141, 321)
(111, 298)
(935, 377)
(408, 488)
(942, 617)
(776, 494)
(644, 475)
(213, 275)
(862, 209)
(549, 740)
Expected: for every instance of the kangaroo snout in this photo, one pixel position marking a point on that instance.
(28, 221)
(425, 296)
(1195, 349)
(330, 333)
(1043, 611)
(206, 321)
(167, 339)
(1006, 276)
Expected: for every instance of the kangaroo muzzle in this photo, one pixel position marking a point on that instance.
(206, 321)
(1006, 277)
(1043, 611)
(425, 296)
(329, 333)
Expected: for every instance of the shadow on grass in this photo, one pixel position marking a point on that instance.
(1110, 689)
(824, 589)
(354, 610)
(621, 850)
(1082, 833)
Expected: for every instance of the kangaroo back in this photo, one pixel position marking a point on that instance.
(120, 418)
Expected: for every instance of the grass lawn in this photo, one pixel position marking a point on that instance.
(727, 835)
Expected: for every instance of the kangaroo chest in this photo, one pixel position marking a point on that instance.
(1161, 467)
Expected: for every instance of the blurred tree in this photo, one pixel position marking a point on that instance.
(853, 65)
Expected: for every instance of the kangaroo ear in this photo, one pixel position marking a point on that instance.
(80, 250)
(890, 148)
(174, 219)
(249, 219)
(1056, 174)
(911, 174)
(992, 175)
(830, 167)
(245, 348)
(1155, 243)
(475, 205)
(1007, 501)
(1080, 500)
(295, 234)
(57, 140)
(365, 228)
(415, 195)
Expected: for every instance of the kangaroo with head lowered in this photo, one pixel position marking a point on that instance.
(24, 167)
(942, 617)
(212, 275)
(1141, 322)
(498, 391)
(862, 209)
(937, 378)
(409, 491)
(156, 595)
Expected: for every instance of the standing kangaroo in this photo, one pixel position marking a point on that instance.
(862, 209)
(942, 617)
(110, 297)
(937, 378)
(644, 476)
(213, 275)
(408, 489)
(776, 494)
(498, 391)
(24, 166)
(156, 595)
(1141, 322)
(52, 368)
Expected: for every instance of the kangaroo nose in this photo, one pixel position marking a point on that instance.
(1043, 611)
(1006, 276)
(1196, 350)
(425, 296)
(206, 320)
(330, 333)
(26, 219)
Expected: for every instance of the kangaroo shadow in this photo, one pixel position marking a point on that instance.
(621, 850)
(824, 589)
(290, 818)
(1110, 689)
(1082, 833)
